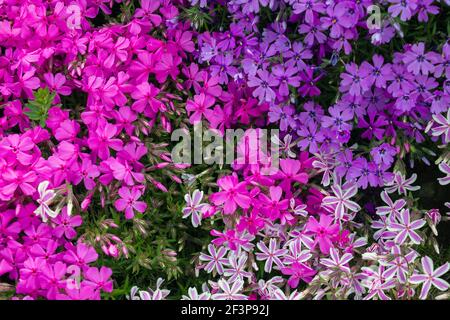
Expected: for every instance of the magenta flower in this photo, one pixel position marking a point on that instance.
(99, 279)
(323, 231)
(199, 107)
(145, 95)
(233, 194)
(15, 147)
(128, 202)
(65, 224)
(298, 271)
(290, 173)
(103, 139)
(81, 255)
(273, 206)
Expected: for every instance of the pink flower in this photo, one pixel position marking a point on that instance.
(324, 231)
(81, 255)
(200, 106)
(102, 140)
(128, 202)
(15, 147)
(216, 259)
(55, 82)
(404, 228)
(99, 279)
(341, 200)
(145, 96)
(291, 172)
(65, 225)
(298, 271)
(233, 194)
(273, 206)
(167, 65)
(271, 254)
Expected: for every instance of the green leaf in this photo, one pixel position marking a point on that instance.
(38, 108)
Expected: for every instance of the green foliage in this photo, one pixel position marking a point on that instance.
(38, 108)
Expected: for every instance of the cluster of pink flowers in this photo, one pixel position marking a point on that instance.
(85, 109)
(89, 152)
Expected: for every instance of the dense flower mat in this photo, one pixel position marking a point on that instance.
(93, 205)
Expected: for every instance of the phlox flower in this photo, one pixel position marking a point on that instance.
(271, 254)
(404, 228)
(233, 194)
(443, 127)
(264, 83)
(298, 271)
(355, 81)
(445, 168)
(81, 255)
(430, 277)
(99, 279)
(273, 206)
(15, 147)
(341, 200)
(128, 202)
(65, 224)
(323, 231)
(194, 207)
(400, 184)
(236, 267)
(376, 282)
(400, 264)
(417, 61)
(229, 291)
(199, 106)
(215, 260)
(402, 8)
(46, 197)
(337, 262)
(103, 139)
(194, 295)
(392, 208)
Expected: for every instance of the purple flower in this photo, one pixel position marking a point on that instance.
(383, 154)
(417, 61)
(404, 8)
(264, 83)
(340, 202)
(337, 119)
(286, 75)
(271, 255)
(311, 137)
(355, 80)
(430, 277)
(404, 228)
(283, 114)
